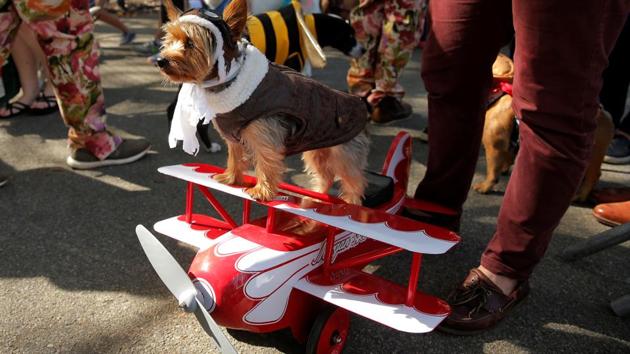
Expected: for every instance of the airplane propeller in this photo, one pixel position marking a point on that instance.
(180, 285)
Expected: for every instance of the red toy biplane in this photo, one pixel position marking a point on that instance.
(299, 267)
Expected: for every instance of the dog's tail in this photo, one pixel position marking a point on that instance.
(398, 161)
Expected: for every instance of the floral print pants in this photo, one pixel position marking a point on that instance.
(389, 31)
(65, 32)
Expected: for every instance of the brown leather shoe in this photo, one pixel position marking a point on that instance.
(478, 304)
(390, 109)
(612, 214)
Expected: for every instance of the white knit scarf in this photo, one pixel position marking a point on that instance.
(196, 103)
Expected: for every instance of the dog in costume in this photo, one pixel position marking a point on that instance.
(263, 111)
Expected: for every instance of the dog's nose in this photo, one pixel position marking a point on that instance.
(161, 62)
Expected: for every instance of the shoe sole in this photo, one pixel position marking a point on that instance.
(605, 221)
(78, 165)
(617, 160)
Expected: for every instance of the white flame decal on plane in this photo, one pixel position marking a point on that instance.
(277, 271)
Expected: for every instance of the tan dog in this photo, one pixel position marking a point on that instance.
(498, 130)
(263, 111)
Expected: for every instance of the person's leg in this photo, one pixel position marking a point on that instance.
(27, 62)
(457, 62)
(74, 72)
(101, 13)
(43, 98)
(616, 77)
(556, 85)
(400, 35)
(9, 24)
(613, 97)
(366, 19)
(27, 65)
(36, 51)
(67, 39)
(111, 19)
(27, 70)
(153, 47)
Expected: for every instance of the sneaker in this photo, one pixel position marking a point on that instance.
(618, 150)
(390, 109)
(151, 48)
(3, 180)
(128, 152)
(127, 38)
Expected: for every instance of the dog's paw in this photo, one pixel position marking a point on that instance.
(352, 199)
(261, 193)
(229, 178)
(483, 187)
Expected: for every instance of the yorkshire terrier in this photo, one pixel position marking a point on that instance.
(263, 111)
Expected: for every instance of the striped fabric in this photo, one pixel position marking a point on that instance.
(276, 34)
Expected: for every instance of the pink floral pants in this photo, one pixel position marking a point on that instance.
(389, 31)
(65, 32)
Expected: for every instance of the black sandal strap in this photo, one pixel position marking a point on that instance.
(42, 97)
(15, 109)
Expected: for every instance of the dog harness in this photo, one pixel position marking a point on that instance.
(500, 89)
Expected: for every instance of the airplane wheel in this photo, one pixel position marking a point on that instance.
(329, 332)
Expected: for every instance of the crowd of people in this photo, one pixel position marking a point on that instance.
(561, 77)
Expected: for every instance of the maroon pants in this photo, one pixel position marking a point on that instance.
(561, 51)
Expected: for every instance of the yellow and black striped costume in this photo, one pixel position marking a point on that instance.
(277, 35)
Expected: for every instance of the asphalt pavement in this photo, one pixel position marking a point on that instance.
(74, 279)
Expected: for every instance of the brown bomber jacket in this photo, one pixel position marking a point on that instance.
(320, 116)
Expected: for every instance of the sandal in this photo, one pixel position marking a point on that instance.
(51, 105)
(15, 109)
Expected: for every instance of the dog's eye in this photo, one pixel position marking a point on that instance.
(189, 44)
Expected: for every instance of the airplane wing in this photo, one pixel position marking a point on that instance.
(375, 224)
(377, 299)
(199, 236)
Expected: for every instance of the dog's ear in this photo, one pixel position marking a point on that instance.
(172, 12)
(235, 15)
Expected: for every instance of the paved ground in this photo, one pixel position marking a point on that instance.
(73, 277)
